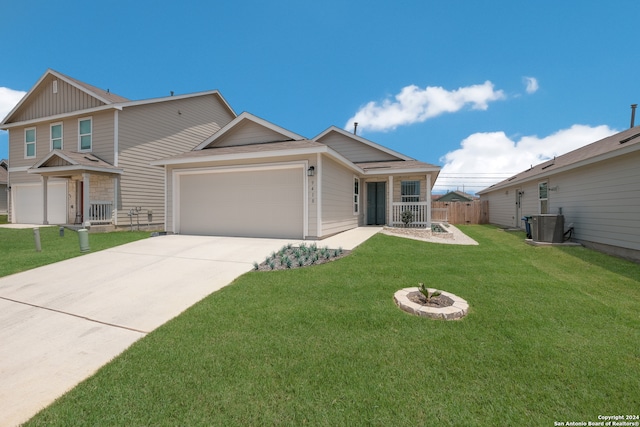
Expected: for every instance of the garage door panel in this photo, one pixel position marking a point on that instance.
(264, 203)
(27, 203)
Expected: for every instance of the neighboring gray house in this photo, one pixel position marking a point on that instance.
(4, 177)
(254, 178)
(596, 188)
(80, 154)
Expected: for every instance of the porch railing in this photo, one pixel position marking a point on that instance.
(100, 212)
(418, 209)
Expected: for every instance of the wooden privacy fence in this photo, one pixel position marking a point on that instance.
(475, 212)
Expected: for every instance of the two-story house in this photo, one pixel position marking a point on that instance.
(81, 154)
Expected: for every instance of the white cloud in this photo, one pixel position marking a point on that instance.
(8, 99)
(531, 84)
(415, 105)
(484, 159)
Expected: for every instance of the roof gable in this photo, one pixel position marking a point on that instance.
(55, 93)
(612, 146)
(356, 148)
(67, 161)
(248, 129)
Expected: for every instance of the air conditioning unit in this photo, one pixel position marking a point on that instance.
(547, 228)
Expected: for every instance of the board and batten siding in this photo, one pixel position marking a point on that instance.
(154, 131)
(45, 102)
(248, 132)
(337, 198)
(353, 150)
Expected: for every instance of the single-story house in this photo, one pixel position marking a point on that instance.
(254, 178)
(596, 188)
(455, 196)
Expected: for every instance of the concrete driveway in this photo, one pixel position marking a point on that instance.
(60, 323)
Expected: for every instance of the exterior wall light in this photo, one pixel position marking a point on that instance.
(311, 171)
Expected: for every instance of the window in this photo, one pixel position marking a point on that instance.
(56, 136)
(30, 142)
(543, 197)
(84, 134)
(356, 195)
(410, 191)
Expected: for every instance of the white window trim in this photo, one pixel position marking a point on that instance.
(61, 136)
(402, 196)
(80, 149)
(356, 195)
(540, 200)
(35, 143)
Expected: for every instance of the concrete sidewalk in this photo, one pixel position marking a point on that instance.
(61, 322)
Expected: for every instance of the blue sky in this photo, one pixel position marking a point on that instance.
(483, 89)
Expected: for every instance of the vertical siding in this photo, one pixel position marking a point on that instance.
(337, 198)
(155, 131)
(44, 102)
(249, 132)
(354, 150)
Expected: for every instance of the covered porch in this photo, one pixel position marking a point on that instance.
(91, 187)
(398, 194)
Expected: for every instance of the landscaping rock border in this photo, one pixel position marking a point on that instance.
(456, 311)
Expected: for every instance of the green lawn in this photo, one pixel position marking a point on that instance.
(553, 335)
(17, 246)
(3, 219)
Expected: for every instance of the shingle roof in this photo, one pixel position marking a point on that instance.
(608, 145)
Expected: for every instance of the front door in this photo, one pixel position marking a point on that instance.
(376, 203)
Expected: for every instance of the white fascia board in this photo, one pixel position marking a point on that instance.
(58, 117)
(238, 156)
(57, 169)
(385, 171)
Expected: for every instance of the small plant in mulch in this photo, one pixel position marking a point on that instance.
(431, 298)
(290, 257)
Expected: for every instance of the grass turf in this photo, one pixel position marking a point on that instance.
(552, 335)
(17, 246)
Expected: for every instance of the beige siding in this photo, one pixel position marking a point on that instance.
(44, 102)
(337, 198)
(102, 139)
(249, 132)
(354, 150)
(602, 201)
(397, 185)
(154, 131)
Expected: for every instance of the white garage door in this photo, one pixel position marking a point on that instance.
(27, 203)
(245, 203)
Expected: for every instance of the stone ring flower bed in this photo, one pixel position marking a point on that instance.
(452, 307)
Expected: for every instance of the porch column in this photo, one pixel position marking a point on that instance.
(428, 200)
(45, 189)
(85, 196)
(390, 203)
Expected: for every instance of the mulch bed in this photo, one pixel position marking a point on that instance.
(439, 301)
